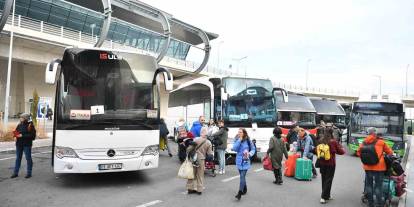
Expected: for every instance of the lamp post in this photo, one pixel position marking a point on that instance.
(238, 60)
(92, 29)
(218, 54)
(406, 80)
(307, 73)
(380, 85)
(9, 65)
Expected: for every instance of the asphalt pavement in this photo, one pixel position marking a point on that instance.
(160, 187)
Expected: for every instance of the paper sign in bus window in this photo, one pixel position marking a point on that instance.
(99, 109)
(80, 115)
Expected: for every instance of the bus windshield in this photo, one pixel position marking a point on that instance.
(289, 118)
(250, 101)
(105, 87)
(391, 125)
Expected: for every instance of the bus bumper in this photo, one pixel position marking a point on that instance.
(76, 165)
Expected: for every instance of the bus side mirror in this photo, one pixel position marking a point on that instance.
(169, 83)
(224, 95)
(284, 94)
(51, 70)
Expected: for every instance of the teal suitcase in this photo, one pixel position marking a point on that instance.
(303, 169)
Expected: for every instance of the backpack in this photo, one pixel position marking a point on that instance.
(369, 155)
(323, 152)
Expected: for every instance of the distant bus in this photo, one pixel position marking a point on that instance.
(329, 111)
(107, 110)
(387, 117)
(299, 110)
(240, 102)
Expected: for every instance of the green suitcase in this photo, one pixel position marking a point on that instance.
(303, 169)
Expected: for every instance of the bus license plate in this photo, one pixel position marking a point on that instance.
(113, 166)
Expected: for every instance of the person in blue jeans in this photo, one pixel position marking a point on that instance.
(245, 149)
(220, 138)
(25, 133)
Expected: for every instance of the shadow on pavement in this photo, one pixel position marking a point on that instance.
(102, 179)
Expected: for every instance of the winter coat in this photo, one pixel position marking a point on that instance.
(196, 128)
(334, 149)
(163, 130)
(239, 147)
(277, 148)
(28, 132)
(306, 146)
(222, 135)
(380, 147)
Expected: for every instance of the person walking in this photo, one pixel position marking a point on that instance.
(24, 134)
(164, 136)
(326, 151)
(371, 152)
(197, 125)
(245, 149)
(220, 140)
(305, 147)
(202, 147)
(277, 149)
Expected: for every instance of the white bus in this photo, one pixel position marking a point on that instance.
(107, 110)
(240, 102)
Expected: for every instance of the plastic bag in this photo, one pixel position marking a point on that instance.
(186, 170)
(267, 163)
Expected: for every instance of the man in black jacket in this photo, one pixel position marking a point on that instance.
(24, 134)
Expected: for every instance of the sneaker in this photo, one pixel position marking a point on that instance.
(322, 201)
(14, 176)
(28, 176)
(169, 154)
(223, 172)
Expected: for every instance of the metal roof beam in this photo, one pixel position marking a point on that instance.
(5, 14)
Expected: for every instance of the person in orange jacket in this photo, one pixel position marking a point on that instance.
(372, 152)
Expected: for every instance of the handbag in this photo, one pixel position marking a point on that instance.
(267, 163)
(186, 170)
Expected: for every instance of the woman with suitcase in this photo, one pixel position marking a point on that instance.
(277, 149)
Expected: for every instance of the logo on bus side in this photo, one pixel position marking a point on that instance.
(106, 56)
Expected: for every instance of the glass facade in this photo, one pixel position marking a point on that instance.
(62, 13)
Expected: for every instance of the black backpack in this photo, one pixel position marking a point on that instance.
(369, 155)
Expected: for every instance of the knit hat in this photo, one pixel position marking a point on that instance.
(25, 116)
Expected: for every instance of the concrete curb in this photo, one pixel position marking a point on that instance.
(9, 147)
(406, 164)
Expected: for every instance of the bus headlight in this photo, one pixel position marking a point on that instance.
(62, 152)
(398, 146)
(354, 141)
(151, 150)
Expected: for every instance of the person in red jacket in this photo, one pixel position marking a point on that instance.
(327, 167)
(375, 172)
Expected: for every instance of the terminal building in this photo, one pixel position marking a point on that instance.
(43, 28)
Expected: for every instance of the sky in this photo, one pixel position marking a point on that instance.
(347, 43)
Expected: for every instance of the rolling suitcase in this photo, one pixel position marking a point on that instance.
(290, 165)
(303, 169)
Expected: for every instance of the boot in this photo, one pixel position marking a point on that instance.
(239, 195)
(244, 190)
(280, 177)
(275, 172)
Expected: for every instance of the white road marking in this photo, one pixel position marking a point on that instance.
(38, 153)
(258, 170)
(150, 203)
(230, 179)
